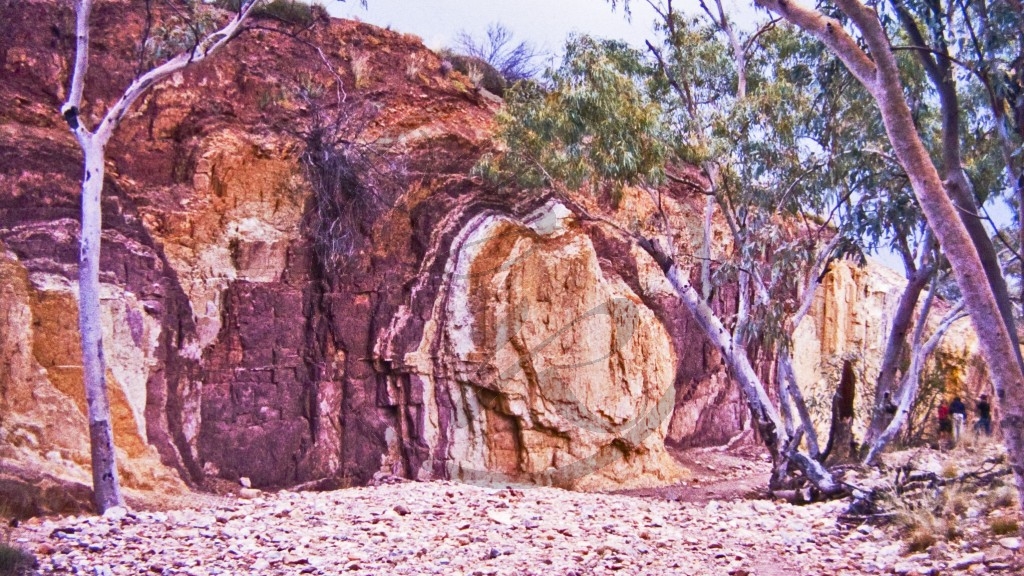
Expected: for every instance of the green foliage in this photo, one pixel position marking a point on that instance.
(611, 116)
(591, 125)
(294, 12)
(985, 43)
(179, 31)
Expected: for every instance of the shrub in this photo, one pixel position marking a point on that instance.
(16, 562)
(293, 12)
(929, 516)
(949, 470)
(513, 61)
(479, 72)
(1003, 497)
(1002, 526)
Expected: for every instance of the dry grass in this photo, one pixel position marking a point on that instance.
(13, 560)
(475, 75)
(361, 69)
(932, 516)
(950, 470)
(922, 522)
(414, 67)
(1003, 526)
(1003, 497)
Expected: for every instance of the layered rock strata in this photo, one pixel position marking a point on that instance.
(414, 321)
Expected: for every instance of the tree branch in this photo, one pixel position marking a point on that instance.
(830, 31)
(204, 48)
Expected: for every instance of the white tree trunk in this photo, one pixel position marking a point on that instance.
(907, 394)
(106, 490)
(765, 417)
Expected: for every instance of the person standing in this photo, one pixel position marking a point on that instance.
(945, 428)
(984, 422)
(958, 411)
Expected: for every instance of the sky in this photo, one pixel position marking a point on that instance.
(544, 23)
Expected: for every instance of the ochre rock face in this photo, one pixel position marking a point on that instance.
(437, 327)
(554, 368)
(43, 427)
(849, 321)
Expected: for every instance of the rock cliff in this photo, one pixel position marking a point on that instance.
(409, 320)
(849, 322)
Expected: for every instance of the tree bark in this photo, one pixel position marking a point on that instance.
(767, 420)
(907, 394)
(939, 68)
(784, 364)
(106, 489)
(894, 346)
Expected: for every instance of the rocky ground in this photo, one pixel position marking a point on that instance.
(457, 529)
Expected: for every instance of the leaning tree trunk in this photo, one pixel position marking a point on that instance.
(907, 395)
(938, 66)
(783, 448)
(880, 74)
(106, 490)
(894, 346)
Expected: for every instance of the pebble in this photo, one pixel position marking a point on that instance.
(967, 560)
(413, 528)
(1010, 543)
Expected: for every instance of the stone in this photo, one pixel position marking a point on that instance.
(967, 560)
(115, 513)
(1012, 543)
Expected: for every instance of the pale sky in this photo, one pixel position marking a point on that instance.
(544, 23)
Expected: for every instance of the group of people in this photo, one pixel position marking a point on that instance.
(953, 417)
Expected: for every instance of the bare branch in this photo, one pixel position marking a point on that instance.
(203, 49)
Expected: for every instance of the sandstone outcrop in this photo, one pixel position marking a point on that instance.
(849, 322)
(439, 327)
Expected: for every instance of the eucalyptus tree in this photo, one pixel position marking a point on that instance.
(856, 34)
(740, 108)
(881, 211)
(955, 111)
(191, 32)
(937, 33)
